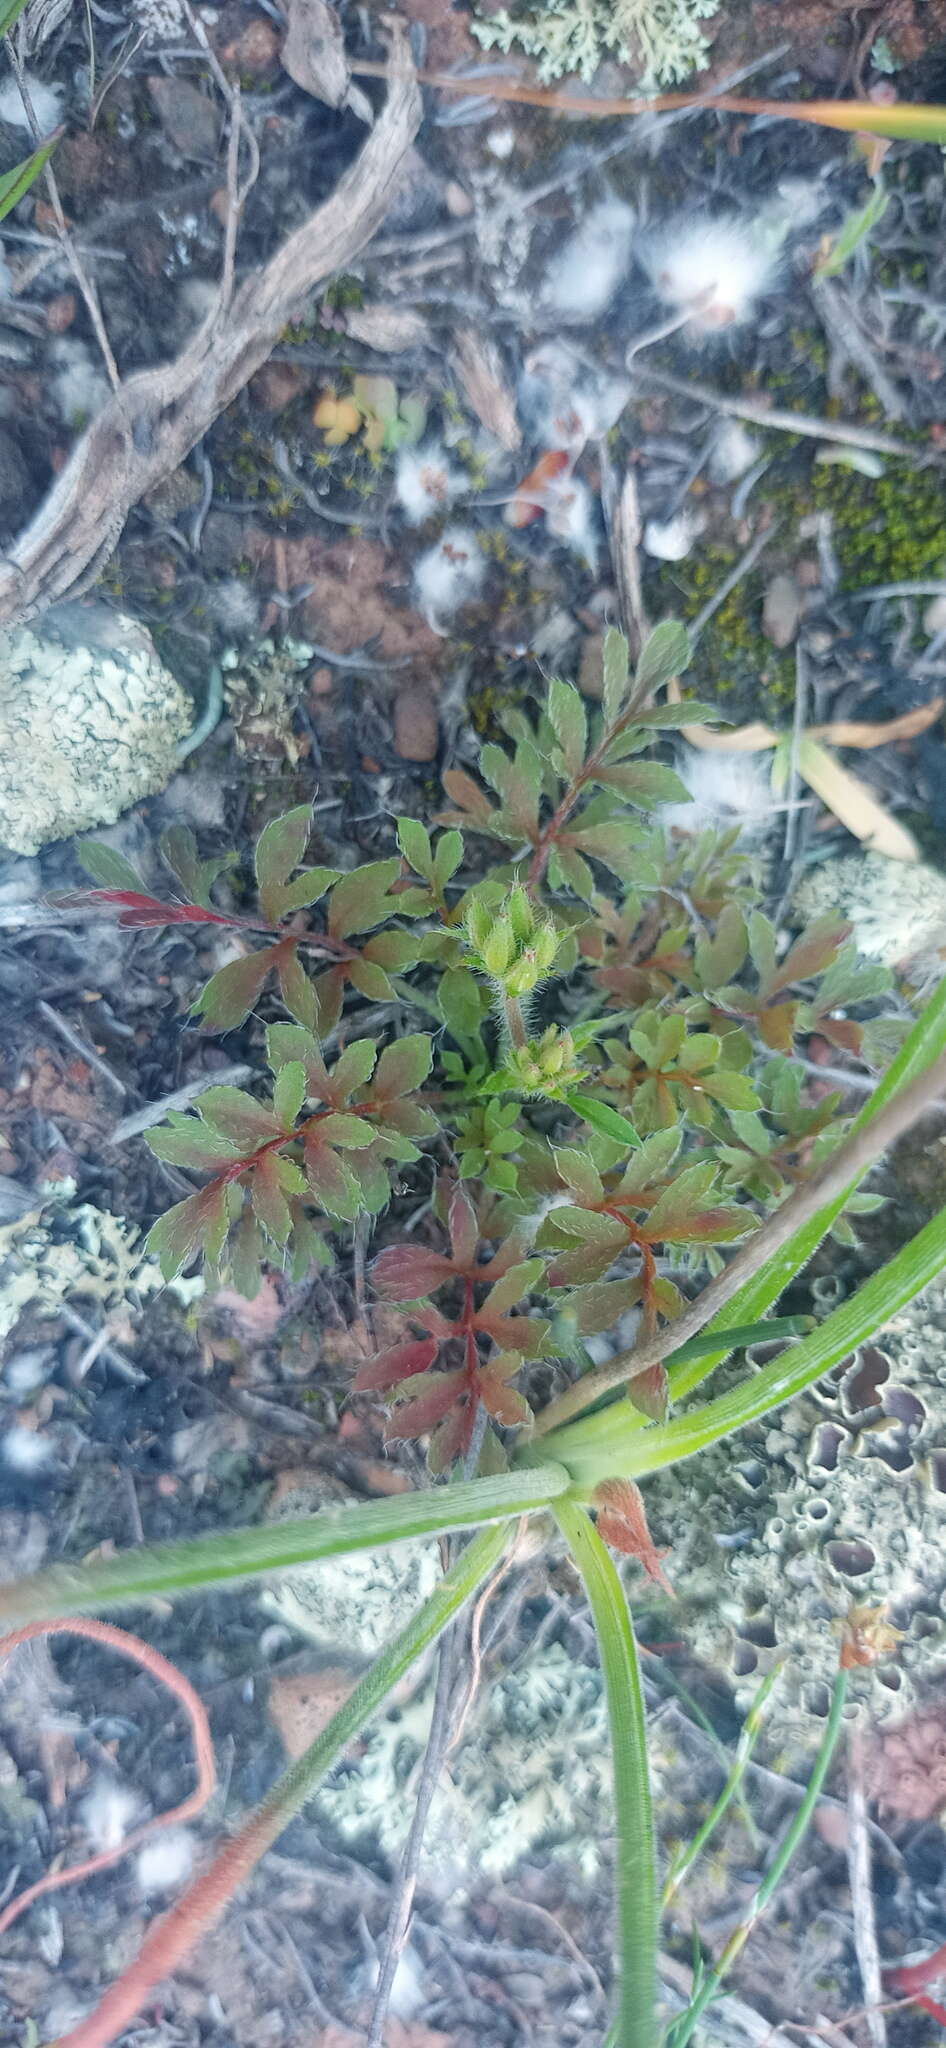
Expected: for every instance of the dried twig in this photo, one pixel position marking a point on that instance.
(167, 1674)
(862, 1897)
(845, 431)
(148, 427)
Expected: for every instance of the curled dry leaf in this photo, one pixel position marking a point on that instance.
(314, 56)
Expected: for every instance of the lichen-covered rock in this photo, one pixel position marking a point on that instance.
(90, 720)
(837, 1500)
(66, 1250)
(897, 907)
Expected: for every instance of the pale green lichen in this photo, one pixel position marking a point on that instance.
(90, 722)
(65, 1250)
(662, 39)
(897, 908)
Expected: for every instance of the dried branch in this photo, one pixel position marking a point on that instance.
(151, 423)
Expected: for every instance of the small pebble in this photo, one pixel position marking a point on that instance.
(781, 610)
(415, 724)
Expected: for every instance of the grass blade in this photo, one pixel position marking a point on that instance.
(687, 1856)
(13, 184)
(636, 1887)
(681, 2030)
(244, 1553)
(924, 1044)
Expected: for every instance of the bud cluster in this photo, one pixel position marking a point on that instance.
(515, 946)
(546, 1066)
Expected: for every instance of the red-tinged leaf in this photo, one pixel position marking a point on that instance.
(109, 868)
(718, 1225)
(567, 715)
(818, 946)
(568, 1269)
(231, 994)
(139, 911)
(351, 1133)
(306, 889)
(645, 784)
(199, 1224)
(280, 847)
(238, 1117)
(196, 876)
(777, 1026)
(511, 1251)
(361, 900)
(467, 795)
(352, 1069)
(371, 981)
(398, 1363)
(296, 990)
(328, 991)
(503, 1403)
(587, 1225)
(464, 1230)
(842, 1032)
(451, 1439)
(515, 1333)
(514, 1285)
(185, 1141)
(289, 1094)
(404, 1272)
(403, 1066)
(330, 1180)
(269, 1202)
(685, 1197)
(414, 1417)
(597, 1307)
(410, 1120)
(649, 1393)
(667, 1298)
(438, 1326)
(292, 1045)
(622, 1523)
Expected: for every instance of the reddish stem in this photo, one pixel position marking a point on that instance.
(167, 1674)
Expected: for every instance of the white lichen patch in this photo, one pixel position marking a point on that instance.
(90, 721)
(66, 1250)
(262, 687)
(662, 39)
(897, 907)
(351, 1605)
(837, 1500)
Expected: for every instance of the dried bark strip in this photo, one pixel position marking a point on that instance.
(153, 421)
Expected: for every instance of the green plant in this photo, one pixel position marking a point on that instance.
(612, 1096)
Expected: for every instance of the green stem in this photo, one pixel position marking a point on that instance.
(681, 2030)
(243, 1553)
(636, 1889)
(172, 1937)
(684, 1861)
(608, 1445)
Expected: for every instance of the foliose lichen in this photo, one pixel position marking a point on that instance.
(90, 721)
(65, 1249)
(897, 908)
(662, 39)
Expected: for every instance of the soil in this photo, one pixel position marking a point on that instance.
(159, 1417)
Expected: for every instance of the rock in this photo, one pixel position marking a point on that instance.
(90, 722)
(190, 120)
(415, 723)
(781, 610)
(175, 494)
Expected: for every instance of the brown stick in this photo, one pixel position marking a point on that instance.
(846, 1165)
(149, 425)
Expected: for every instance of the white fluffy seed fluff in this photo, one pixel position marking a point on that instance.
(44, 100)
(584, 275)
(107, 1813)
(25, 1450)
(570, 515)
(726, 789)
(670, 540)
(712, 270)
(734, 451)
(425, 482)
(164, 1861)
(449, 574)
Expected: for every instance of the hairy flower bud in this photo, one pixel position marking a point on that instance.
(516, 944)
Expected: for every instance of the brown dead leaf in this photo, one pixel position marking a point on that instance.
(313, 53)
(879, 733)
(299, 1708)
(479, 368)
